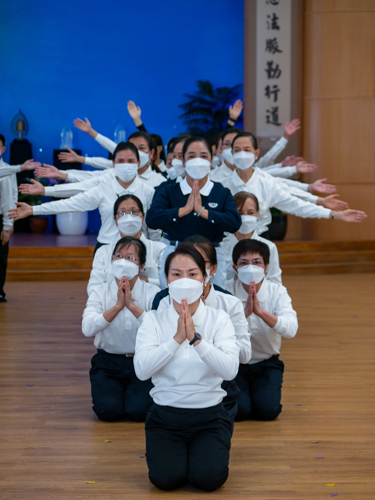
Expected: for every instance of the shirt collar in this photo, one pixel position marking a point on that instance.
(205, 191)
(239, 291)
(147, 173)
(263, 290)
(119, 190)
(237, 181)
(226, 170)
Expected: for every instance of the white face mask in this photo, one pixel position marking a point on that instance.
(185, 288)
(172, 173)
(227, 155)
(144, 158)
(247, 274)
(197, 168)
(208, 276)
(215, 161)
(178, 167)
(243, 159)
(129, 224)
(248, 225)
(126, 171)
(124, 267)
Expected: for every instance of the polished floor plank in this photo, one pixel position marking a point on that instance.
(52, 444)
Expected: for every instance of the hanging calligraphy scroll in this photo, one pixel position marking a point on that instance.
(273, 66)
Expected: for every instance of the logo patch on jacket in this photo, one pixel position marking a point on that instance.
(212, 205)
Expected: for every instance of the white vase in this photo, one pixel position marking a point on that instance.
(72, 223)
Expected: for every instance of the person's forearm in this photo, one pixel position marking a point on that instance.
(268, 318)
(111, 314)
(135, 310)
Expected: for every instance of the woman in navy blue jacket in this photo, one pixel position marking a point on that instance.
(195, 205)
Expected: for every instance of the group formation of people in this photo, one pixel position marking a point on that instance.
(185, 298)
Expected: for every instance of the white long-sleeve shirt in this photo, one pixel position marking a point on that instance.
(102, 265)
(273, 298)
(102, 196)
(273, 271)
(271, 194)
(272, 154)
(6, 169)
(8, 198)
(185, 376)
(118, 336)
(76, 186)
(232, 306)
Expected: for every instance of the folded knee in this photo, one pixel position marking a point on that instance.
(167, 481)
(107, 412)
(266, 413)
(208, 479)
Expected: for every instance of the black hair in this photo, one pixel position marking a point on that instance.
(125, 197)
(232, 130)
(151, 143)
(126, 242)
(247, 134)
(159, 142)
(125, 146)
(186, 249)
(2, 139)
(177, 140)
(191, 140)
(251, 246)
(204, 244)
(242, 196)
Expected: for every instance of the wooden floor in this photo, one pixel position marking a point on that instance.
(322, 446)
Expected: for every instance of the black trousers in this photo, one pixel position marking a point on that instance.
(4, 250)
(260, 390)
(188, 446)
(115, 389)
(230, 402)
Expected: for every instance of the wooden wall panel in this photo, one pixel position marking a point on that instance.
(339, 5)
(339, 107)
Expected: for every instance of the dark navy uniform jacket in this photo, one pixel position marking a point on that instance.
(222, 213)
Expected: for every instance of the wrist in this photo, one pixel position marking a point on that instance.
(320, 201)
(286, 136)
(334, 215)
(138, 122)
(232, 120)
(178, 339)
(93, 133)
(63, 176)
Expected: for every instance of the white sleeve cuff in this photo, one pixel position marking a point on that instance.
(89, 161)
(278, 324)
(171, 346)
(49, 191)
(283, 142)
(37, 210)
(102, 321)
(203, 348)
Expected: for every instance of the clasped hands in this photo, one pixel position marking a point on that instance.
(252, 303)
(194, 202)
(185, 325)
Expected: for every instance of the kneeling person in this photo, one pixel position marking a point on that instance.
(270, 316)
(113, 314)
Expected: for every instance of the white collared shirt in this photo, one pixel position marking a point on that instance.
(232, 306)
(102, 264)
(186, 189)
(271, 194)
(102, 196)
(273, 272)
(8, 198)
(162, 166)
(273, 298)
(185, 376)
(221, 173)
(117, 337)
(152, 178)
